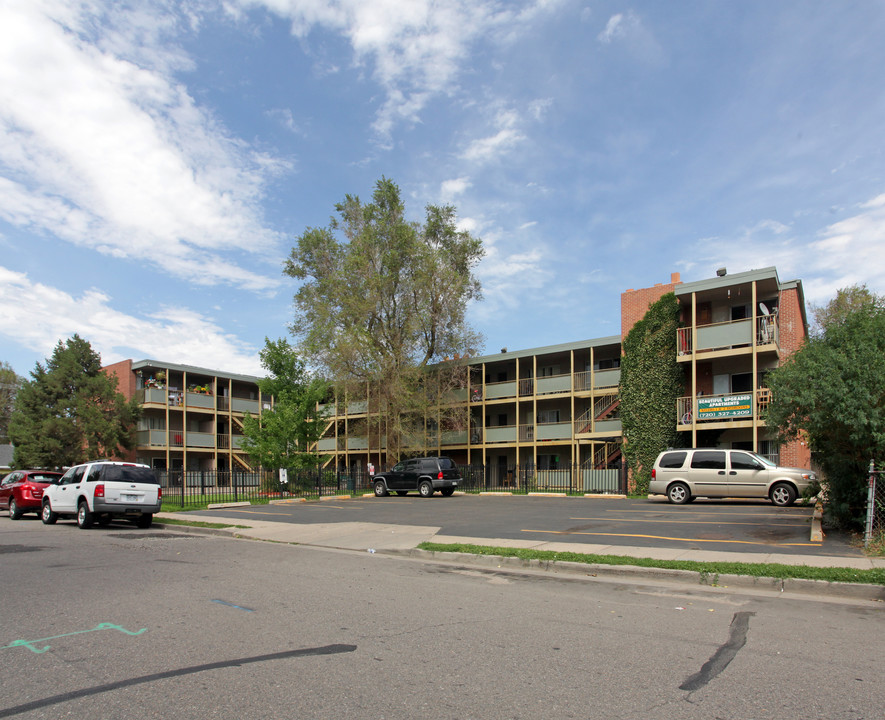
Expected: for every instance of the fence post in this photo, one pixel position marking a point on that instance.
(871, 506)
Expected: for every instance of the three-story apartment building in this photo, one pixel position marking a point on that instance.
(557, 406)
(192, 417)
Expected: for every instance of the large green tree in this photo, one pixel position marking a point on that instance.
(70, 411)
(831, 392)
(10, 382)
(283, 436)
(382, 300)
(651, 382)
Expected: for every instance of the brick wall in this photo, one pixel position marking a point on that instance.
(635, 303)
(125, 377)
(791, 335)
(791, 328)
(126, 386)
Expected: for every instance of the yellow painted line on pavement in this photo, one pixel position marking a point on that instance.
(711, 512)
(699, 522)
(678, 539)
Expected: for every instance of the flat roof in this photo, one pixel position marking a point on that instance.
(160, 365)
(547, 350)
(768, 273)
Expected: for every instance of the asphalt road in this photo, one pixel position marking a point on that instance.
(717, 525)
(119, 622)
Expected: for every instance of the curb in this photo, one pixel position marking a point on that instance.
(818, 588)
(814, 588)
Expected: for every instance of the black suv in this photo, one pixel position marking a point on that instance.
(425, 475)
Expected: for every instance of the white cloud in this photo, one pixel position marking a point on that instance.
(538, 108)
(415, 49)
(101, 147)
(489, 148)
(614, 28)
(450, 189)
(176, 333)
(630, 31)
(848, 252)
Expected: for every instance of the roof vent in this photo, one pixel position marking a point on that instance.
(721, 272)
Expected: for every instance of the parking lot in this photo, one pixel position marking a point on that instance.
(716, 525)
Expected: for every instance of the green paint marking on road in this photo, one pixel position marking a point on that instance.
(30, 644)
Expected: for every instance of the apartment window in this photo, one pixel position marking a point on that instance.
(548, 416)
(608, 364)
(502, 420)
(550, 371)
(742, 382)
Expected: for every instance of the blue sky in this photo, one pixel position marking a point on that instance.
(158, 159)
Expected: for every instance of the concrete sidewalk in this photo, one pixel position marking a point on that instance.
(402, 540)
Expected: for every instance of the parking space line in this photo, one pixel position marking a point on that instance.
(715, 512)
(677, 539)
(700, 522)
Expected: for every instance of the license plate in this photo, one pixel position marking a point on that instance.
(129, 498)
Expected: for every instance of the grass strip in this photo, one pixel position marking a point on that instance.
(198, 523)
(873, 576)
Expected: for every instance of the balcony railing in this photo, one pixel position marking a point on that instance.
(499, 390)
(728, 335)
(554, 384)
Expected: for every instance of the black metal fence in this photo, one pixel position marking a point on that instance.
(198, 488)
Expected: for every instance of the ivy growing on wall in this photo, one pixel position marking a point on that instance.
(651, 381)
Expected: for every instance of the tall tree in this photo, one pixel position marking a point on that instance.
(831, 392)
(282, 436)
(382, 300)
(10, 382)
(846, 301)
(651, 381)
(70, 411)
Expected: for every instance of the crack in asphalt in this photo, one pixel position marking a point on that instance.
(109, 687)
(737, 638)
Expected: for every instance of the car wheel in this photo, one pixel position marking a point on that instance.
(380, 490)
(14, 512)
(84, 517)
(678, 493)
(783, 494)
(402, 493)
(144, 521)
(425, 489)
(47, 516)
(447, 492)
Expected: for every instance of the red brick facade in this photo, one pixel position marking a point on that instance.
(126, 386)
(125, 377)
(635, 303)
(791, 335)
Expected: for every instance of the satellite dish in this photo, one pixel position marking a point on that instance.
(763, 308)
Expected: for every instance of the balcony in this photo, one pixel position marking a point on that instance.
(200, 440)
(497, 391)
(555, 384)
(199, 400)
(606, 378)
(506, 434)
(453, 437)
(245, 405)
(729, 336)
(152, 438)
(553, 431)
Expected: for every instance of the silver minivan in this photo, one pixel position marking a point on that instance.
(683, 475)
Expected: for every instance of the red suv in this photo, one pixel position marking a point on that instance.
(22, 491)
